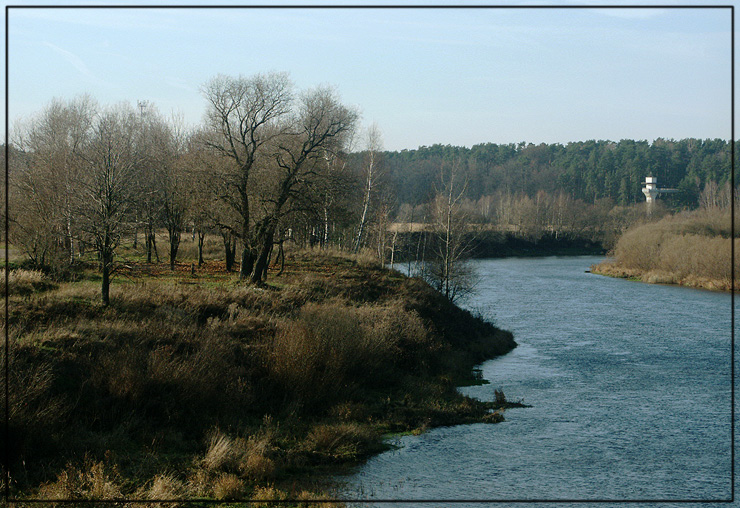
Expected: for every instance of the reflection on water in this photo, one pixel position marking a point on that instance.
(630, 385)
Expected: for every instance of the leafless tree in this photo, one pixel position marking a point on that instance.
(371, 178)
(44, 190)
(321, 124)
(448, 271)
(110, 155)
(243, 114)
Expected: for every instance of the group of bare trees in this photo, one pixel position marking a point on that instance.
(278, 144)
(84, 175)
(269, 163)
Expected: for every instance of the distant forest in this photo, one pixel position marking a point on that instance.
(585, 170)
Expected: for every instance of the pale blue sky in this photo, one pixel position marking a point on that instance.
(425, 76)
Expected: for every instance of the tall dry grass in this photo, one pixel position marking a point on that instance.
(689, 248)
(94, 480)
(333, 349)
(165, 363)
(25, 282)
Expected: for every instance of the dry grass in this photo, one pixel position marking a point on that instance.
(269, 494)
(26, 282)
(333, 348)
(250, 458)
(690, 249)
(348, 441)
(366, 258)
(93, 481)
(163, 487)
(325, 349)
(228, 486)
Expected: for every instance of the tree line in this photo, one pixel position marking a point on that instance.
(584, 170)
(269, 163)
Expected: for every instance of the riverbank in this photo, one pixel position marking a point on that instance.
(589, 348)
(690, 249)
(196, 386)
(612, 269)
(492, 244)
(411, 246)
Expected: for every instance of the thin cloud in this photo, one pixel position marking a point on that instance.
(181, 84)
(76, 62)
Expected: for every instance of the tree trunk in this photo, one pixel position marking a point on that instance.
(281, 257)
(393, 248)
(71, 242)
(363, 218)
(325, 240)
(105, 289)
(148, 239)
(201, 238)
(154, 246)
(230, 250)
(174, 246)
(106, 259)
(247, 260)
(260, 267)
(247, 263)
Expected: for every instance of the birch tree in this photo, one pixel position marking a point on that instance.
(453, 243)
(45, 189)
(371, 178)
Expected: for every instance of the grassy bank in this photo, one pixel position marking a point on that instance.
(691, 249)
(195, 386)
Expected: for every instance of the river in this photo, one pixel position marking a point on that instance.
(630, 385)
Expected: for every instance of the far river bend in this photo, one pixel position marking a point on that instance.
(630, 386)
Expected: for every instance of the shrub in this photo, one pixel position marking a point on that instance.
(332, 349)
(689, 248)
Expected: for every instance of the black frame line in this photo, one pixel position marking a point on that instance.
(6, 360)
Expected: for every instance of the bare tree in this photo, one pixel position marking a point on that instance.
(243, 113)
(322, 124)
(111, 155)
(173, 184)
(45, 187)
(335, 184)
(374, 146)
(448, 271)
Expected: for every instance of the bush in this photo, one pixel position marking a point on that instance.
(690, 248)
(331, 350)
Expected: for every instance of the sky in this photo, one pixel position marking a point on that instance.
(424, 76)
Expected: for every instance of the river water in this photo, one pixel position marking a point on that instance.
(630, 385)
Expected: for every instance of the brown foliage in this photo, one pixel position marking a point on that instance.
(690, 248)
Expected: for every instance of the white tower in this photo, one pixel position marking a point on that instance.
(650, 188)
